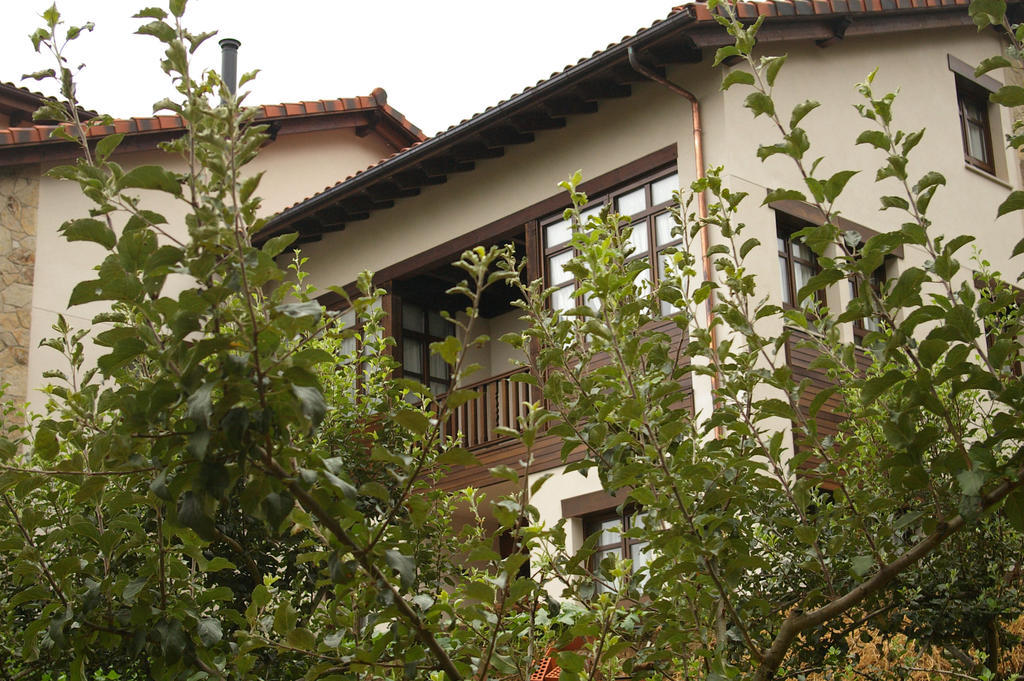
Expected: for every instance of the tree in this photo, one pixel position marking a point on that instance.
(241, 489)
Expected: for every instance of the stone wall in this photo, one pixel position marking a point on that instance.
(19, 200)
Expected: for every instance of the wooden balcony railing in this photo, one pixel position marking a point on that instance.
(500, 404)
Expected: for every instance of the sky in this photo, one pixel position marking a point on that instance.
(440, 61)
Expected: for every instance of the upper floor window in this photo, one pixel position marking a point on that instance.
(646, 203)
(420, 328)
(978, 126)
(797, 262)
(866, 325)
(974, 125)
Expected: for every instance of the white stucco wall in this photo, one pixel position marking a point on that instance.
(296, 165)
(624, 130)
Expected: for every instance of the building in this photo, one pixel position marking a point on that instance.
(615, 115)
(311, 144)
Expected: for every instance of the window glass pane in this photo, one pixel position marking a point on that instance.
(590, 211)
(412, 356)
(556, 268)
(802, 251)
(562, 299)
(609, 531)
(348, 320)
(640, 554)
(439, 328)
(638, 237)
(787, 289)
(437, 387)
(802, 273)
(438, 367)
(557, 233)
(412, 317)
(642, 280)
(592, 302)
(782, 244)
(661, 190)
(663, 225)
(631, 203)
(976, 142)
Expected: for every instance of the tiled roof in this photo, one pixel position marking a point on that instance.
(376, 101)
(690, 19)
(21, 100)
(790, 8)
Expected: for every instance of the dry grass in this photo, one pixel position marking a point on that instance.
(896, 659)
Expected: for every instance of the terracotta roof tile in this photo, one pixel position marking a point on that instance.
(377, 100)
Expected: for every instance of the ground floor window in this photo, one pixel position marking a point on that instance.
(612, 529)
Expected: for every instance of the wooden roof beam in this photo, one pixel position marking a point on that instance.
(439, 167)
(564, 106)
(504, 135)
(416, 178)
(384, 191)
(603, 89)
(475, 150)
(537, 121)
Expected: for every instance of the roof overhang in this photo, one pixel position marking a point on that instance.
(681, 38)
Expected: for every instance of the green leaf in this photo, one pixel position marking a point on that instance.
(106, 146)
(274, 247)
(177, 7)
(987, 12)
(284, 619)
(801, 110)
(772, 70)
(737, 77)
(759, 103)
(276, 507)
(971, 481)
(404, 565)
(302, 639)
(209, 632)
(151, 177)
(834, 185)
(1013, 202)
(309, 308)
(1008, 95)
(1013, 509)
(89, 229)
(861, 565)
(875, 138)
(783, 195)
(724, 53)
(413, 421)
(895, 202)
(200, 404)
(990, 64)
(458, 456)
(448, 349)
(314, 406)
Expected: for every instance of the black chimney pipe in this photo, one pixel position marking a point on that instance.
(229, 63)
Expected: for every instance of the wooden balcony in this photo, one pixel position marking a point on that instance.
(499, 405)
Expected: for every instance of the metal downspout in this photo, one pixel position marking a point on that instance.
(702, 201)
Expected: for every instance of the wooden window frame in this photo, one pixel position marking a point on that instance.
(645, 220)
(966, 96)
(974, 89)
(785, 228)
(424, 336)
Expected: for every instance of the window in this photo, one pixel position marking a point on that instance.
(863, 327)
(420, 328)
(646, 202)
(972, 101)
(797, 262)
(977, 126)
(611, 528)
